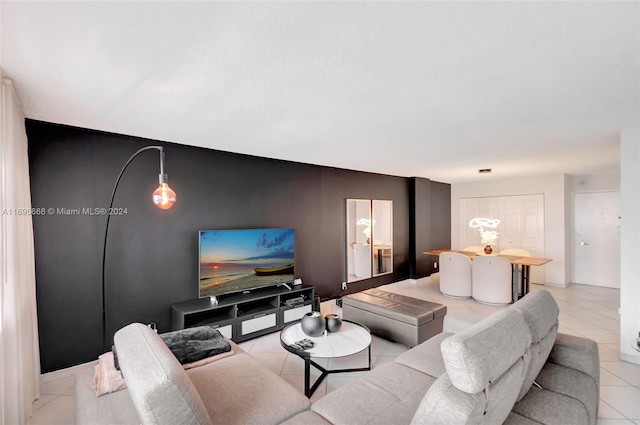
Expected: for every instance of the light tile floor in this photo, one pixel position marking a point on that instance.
(584, 310)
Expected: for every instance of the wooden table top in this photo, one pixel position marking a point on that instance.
(531, 261)
(515, 259)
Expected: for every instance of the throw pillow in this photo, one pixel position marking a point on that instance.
(106, 379)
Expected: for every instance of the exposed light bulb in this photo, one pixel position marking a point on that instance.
(164, 197)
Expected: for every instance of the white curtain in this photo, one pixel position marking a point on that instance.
(19, 350)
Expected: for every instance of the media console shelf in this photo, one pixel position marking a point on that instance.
(245, 316)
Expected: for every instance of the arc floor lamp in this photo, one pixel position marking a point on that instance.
(163, 197)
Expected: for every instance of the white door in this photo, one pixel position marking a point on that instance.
(596, 237)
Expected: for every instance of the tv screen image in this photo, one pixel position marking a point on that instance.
(245, 259)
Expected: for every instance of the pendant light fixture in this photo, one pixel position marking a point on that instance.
(164, 197)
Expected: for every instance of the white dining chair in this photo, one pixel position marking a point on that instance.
(455, 275)
(491, 277)
(516, 252)
(362, 260)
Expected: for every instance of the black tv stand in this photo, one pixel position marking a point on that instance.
(242, 316)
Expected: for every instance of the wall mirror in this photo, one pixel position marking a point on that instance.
(358, 239)
(382, 237)
(369, 249)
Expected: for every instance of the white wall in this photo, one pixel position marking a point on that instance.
(556, 211)
(629, 243)
(594, 182)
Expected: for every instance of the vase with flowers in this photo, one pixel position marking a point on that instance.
(487, 237)
(488, 234)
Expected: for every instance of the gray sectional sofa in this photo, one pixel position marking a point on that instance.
(511, 367)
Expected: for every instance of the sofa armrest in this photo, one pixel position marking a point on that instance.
(577, 353)
(457, 322)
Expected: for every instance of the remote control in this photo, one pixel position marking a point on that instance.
(305, 344)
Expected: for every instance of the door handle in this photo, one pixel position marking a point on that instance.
(583, 243)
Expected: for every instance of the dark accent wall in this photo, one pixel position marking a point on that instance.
(429, 223)
(152, 255)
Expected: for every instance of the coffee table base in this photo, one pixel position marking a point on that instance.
(354, 338)
(310, 389)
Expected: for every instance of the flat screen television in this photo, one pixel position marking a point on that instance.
(242, 260)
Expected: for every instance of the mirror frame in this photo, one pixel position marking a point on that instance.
(368, 254)
(382, 237)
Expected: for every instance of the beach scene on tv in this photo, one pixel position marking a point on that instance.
(240, 260)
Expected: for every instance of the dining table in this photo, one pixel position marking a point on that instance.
(520, 268)
(380, 253)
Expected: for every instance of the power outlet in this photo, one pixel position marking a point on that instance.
(344, 286)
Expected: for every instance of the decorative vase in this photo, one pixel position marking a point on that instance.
(334, 322)
(488, 250)
(312, 324)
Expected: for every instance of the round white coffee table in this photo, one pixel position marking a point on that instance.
(351, 339)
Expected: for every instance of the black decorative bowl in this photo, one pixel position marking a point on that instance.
(334, 322)
(312, 324)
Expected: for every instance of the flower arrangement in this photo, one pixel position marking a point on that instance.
(487, 237)
(367, 230)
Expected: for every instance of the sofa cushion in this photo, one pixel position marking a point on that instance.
(486, 365)
(426, 357)
(540, 312)
(479, 355)
(109, 409)
(572, 383)
(515, 419)
(446, 404)
(240, 390)
(161, 391)
(550, 408)
(577, 353)
(389, 394)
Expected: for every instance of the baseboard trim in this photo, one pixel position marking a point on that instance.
(629, 358)
(555, 285)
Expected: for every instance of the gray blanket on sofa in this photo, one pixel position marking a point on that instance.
(193, 344)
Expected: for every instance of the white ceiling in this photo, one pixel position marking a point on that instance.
(429, 89)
